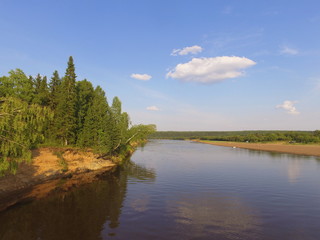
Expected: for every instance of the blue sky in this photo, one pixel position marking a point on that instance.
(182, 65)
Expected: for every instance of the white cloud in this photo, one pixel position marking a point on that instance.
(193, 50)
(289, 107)
(153, 108)
(210, 70)
(289, 51)
(143, 77)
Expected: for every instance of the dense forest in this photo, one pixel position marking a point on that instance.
(244, 136)
(60, 112)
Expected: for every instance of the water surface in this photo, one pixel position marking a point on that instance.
(183, 190)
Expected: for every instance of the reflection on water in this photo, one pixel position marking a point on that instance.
(294, 162)
(294, 170)
(182, 190)
(138, 173)
(210, 215)
(79, 214)
(140, 204)
(82, 213)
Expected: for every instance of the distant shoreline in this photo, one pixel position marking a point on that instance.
(301, 149)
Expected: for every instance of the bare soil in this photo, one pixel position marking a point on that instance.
(308, 150)
(45, 174)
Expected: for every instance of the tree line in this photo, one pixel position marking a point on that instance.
(60, 111)
(243, 136)
(291, 137)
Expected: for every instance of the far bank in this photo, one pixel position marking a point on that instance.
(300, 149)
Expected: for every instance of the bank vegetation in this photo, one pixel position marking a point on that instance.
(61, 112)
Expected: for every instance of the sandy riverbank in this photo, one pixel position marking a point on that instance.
(46, 173)
(309, 150)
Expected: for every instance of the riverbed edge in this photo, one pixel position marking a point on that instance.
(32, 182)
(305, 150)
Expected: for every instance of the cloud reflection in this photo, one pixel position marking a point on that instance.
(214, 216)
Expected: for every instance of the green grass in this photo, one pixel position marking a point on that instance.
(62, 162)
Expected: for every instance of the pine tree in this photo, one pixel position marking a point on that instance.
(66, 121)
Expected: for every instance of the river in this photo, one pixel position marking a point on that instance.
(182, 190)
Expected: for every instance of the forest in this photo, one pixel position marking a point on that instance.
(304, 137)
(60, 112)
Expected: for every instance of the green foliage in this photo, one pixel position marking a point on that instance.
(65, 124)
(21, 128)
(41, 91)
(54, 89)
(95, 131)
(18, 85)
(246, 136)
(81, 116)
(141, 132)
(62, 161)
(85, 93)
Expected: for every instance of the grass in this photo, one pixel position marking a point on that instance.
(62, 162)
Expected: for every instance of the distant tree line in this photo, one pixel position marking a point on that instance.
(60, 111)
(291, 137)
(245, 136)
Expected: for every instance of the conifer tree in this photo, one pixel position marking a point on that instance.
(85, 94)
(65, 120)
(95, 131)
(41, 91)
(54, 88)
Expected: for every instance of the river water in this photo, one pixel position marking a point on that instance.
(182, 190)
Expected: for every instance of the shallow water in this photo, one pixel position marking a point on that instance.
(183, 190)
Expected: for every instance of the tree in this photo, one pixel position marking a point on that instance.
(41, 91)
(85, 94)
(6, 87)
(140, 132)
(18, 85)
(95, 132)
(66, 121)
(54, 88)
(21, 128)
(115, 130)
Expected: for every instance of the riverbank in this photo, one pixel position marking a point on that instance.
(300, 149)
(52, 169)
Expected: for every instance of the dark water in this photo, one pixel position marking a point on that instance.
(183, 190)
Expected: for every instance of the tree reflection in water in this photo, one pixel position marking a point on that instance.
(82, 213)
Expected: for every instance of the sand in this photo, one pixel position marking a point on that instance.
(308, 150)
(45, 174)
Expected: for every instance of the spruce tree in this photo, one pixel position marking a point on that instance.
(65, 120)
(85, 94)
(95, 132)
(41, 91)
(54, 88)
